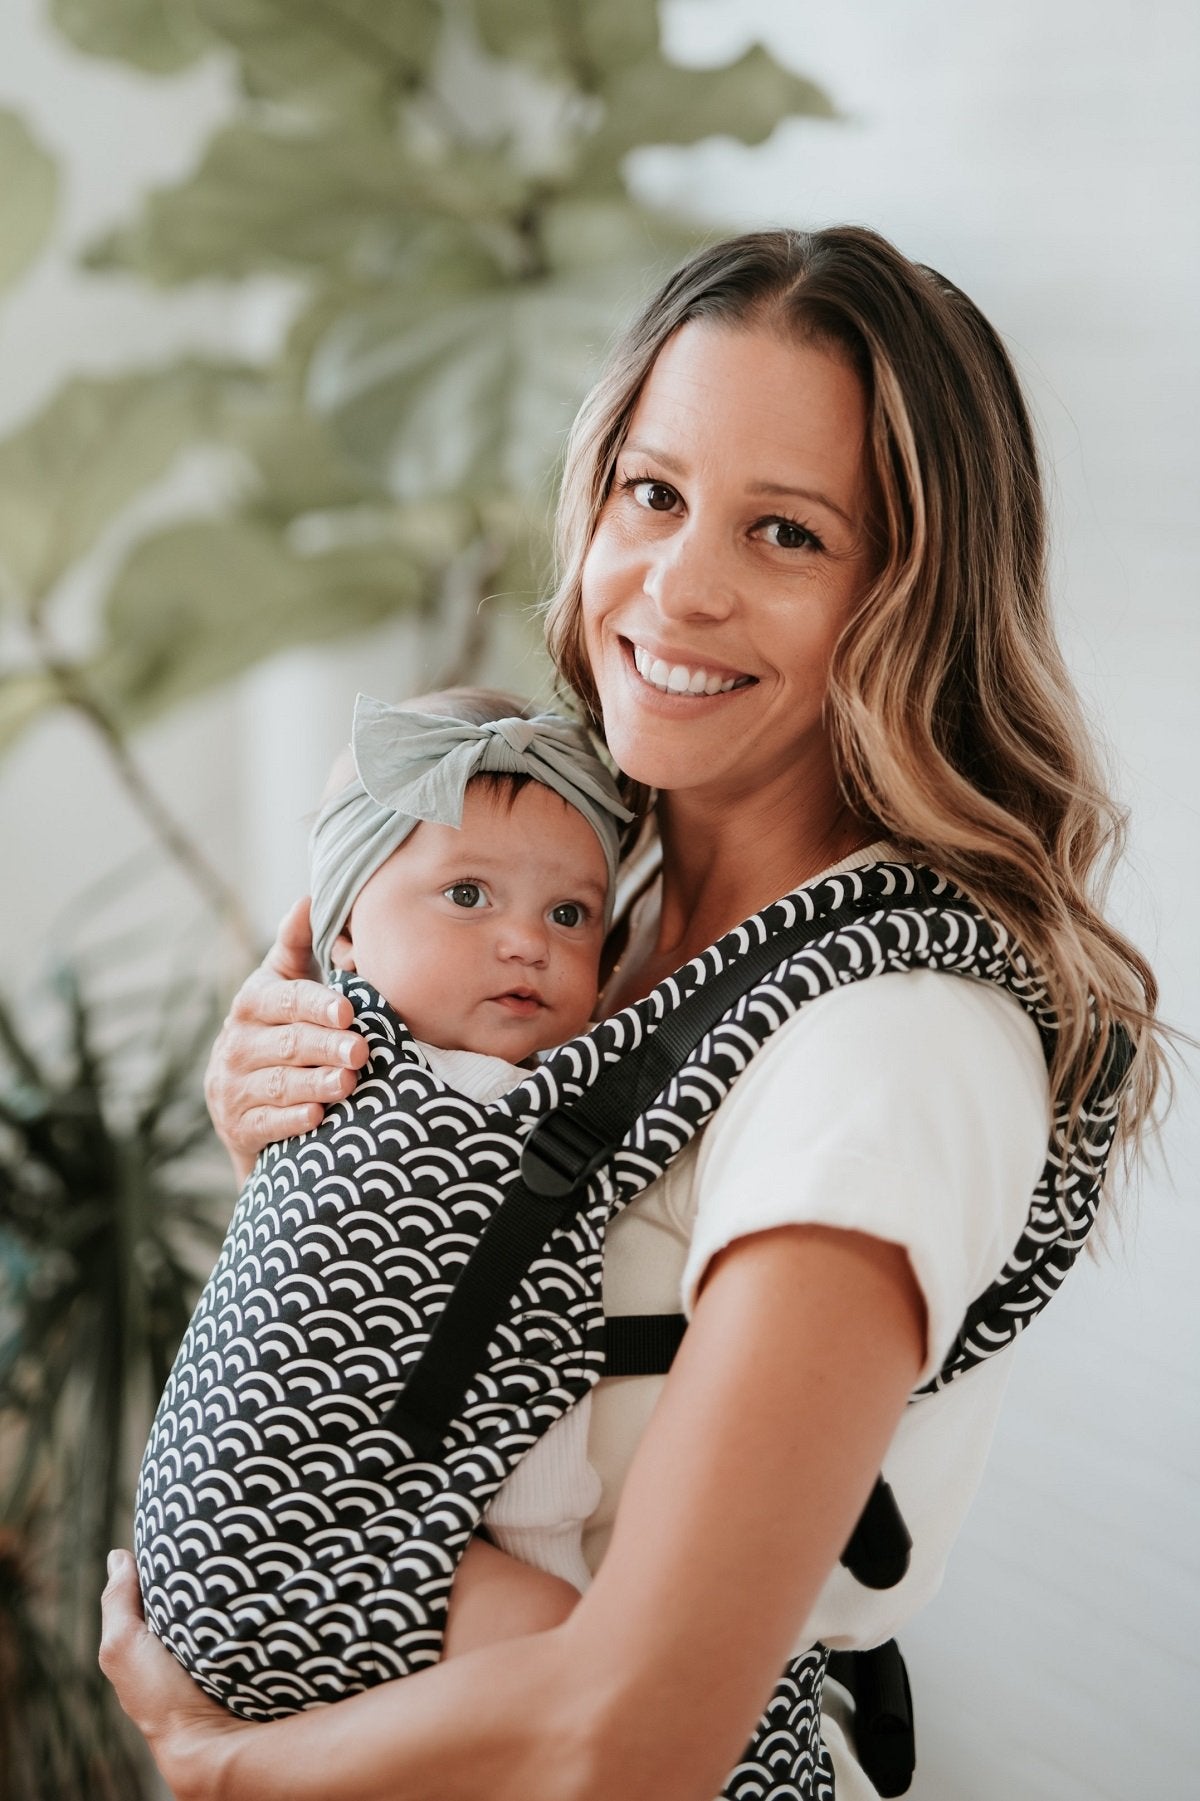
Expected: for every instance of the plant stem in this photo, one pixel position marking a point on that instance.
(170, 834)
(181, 848)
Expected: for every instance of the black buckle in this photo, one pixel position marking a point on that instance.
(560, 1154)
(884, 1740)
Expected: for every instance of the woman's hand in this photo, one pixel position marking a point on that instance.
(285, 1051)
(186, 1732)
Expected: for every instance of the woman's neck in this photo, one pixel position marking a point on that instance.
(722, 862)
(720, 868)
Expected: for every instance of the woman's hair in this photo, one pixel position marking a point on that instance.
(955, 727)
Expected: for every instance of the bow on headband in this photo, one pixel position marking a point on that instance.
(416, 766)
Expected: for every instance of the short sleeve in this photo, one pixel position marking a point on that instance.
(913, 1107)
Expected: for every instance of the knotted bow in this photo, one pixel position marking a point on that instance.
(416, 766)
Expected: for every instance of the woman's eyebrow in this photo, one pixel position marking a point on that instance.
(776, 489)
(780, 488)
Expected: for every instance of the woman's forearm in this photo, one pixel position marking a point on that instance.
(728, 1526)
(500, 1723)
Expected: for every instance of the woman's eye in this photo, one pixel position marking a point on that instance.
(790, 536)
(466, 894)
(657, 496)
(568, 913)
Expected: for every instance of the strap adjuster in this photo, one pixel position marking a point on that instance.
(560, 1154)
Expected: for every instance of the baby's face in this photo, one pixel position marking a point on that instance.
(487, 936)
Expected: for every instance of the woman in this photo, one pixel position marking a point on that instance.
(803, 595)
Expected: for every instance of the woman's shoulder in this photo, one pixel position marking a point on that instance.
(911, 1106)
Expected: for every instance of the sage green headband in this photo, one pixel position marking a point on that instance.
(416, 766)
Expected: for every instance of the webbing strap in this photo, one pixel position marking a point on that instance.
(561, 1155)
(641, 1344)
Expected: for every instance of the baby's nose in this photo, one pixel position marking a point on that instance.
(525, 940)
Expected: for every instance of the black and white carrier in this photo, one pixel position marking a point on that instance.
(410, 1295)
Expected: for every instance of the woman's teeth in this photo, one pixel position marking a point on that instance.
(679, 679)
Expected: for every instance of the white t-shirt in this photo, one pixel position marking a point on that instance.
(914, 1107)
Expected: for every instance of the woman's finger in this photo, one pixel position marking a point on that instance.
(151, 1686)
(291, 955)
(251, 1050)
(261, 1000)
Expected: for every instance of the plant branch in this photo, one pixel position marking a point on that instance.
(170, 834)
(176, 842)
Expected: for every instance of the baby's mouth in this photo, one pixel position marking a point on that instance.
(524, 1002)
(685, 678)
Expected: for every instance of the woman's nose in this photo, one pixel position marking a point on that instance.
(688, 577)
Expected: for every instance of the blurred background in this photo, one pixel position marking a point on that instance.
(297, 301)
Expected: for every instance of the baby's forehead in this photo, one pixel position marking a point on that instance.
(505, 820)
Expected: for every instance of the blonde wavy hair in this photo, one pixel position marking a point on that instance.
(955, 726)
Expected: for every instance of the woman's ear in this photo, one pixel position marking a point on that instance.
(341, 953)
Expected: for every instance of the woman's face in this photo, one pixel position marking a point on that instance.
(727, 558)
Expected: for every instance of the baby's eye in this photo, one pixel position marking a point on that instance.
(568, 913)
(466, 894)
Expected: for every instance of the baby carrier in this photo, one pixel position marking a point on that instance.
(410, 1295)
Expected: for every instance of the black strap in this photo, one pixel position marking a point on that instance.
(573, 1141)
(878, 1550)
(883, 1718)
(641, 1344)
(561, 1155)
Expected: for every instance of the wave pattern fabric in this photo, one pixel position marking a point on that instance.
(291, 1549)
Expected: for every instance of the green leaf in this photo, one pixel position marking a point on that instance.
(579, 234)
(338, 198)
(569, 39)
(28, 193)
(23, 698)
(657, 102)
(347, 57)
(68, 472)
(160, 36)
(200, 602)
(474, 397)
(299, 464)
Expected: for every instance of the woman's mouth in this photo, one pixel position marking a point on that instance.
(684, 678)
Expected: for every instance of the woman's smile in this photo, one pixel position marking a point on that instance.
(674, 672)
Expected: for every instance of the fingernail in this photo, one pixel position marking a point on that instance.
(114, 1563)
(348, 1052)
(333, 1012)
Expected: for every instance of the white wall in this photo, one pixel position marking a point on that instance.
(1044, 155)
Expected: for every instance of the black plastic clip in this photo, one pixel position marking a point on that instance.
(560, 1154)
(883, 1718)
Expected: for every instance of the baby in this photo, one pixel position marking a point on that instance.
(462, 866)
(485, 935)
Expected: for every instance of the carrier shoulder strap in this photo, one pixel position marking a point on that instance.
(561, 1155)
